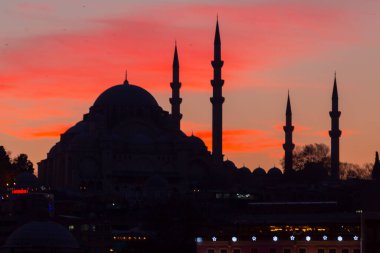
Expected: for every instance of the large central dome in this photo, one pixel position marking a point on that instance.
(126, 95)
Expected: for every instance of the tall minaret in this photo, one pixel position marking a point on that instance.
(288, 145)
(175, 100)
(217, 99)
(335, 133)
(376, 167)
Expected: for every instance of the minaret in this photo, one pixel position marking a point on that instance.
(376, 168)
(335, 133)
(288, 145)
(175, 100)
(217, 99)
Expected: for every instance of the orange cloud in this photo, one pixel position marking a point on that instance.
(242, 140)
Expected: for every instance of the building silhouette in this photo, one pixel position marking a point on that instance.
(335, 132)
(217, 99)
(176, 100)
(288, 146)
(376, 167)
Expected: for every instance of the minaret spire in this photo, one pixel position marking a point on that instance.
(288, 145)
(335, 132)
(126, 77)
(217, 99)
(376, 167)
(175, 100)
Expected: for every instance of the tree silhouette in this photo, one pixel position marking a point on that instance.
(5, 166)
(22, 164)
(317, 153)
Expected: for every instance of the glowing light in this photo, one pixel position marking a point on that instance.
(234, 238)
(325, 237)
(308, 238)
(20, 191)
(199, 239)
(213, 239)
(254, 238)
(356, 238)
(340, 238)
(275, 238)
(292, 237)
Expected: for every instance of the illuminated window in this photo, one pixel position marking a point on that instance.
(287, 251)
(210, 251)
(345, 250)
(236, 251)
(302, 251)
(332, 250)
(320, 250)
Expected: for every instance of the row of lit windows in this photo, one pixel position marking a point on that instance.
(129, 238)
(84, 227)
(287, 250)
(292, 238)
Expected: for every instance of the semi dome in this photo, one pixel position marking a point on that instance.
(126, 95)
(41, 234)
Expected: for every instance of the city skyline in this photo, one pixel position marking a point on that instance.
(50, 77)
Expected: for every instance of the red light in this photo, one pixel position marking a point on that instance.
(21, 191)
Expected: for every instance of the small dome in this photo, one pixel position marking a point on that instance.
(229, 164)
(126, 95)
(27, 180)
(244, 170)
(196, 142)
(259, 172)
(41, 234)
(274, 172)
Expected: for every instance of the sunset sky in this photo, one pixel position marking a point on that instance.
(56, 57)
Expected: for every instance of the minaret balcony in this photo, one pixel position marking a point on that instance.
(335, 114)
(217, 63)
(217, 100)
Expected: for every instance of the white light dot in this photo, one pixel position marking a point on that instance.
(325, 237)
(234, 238)
(254, 238)
(308, 238)
(292, 238)
(356, 238)
(213, 239)
(340, 238)
(275, 238)
(199, 239)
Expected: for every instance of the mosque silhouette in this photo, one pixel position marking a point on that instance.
(128, 141)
